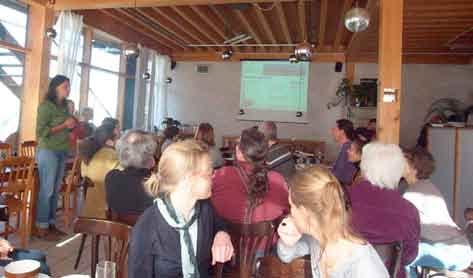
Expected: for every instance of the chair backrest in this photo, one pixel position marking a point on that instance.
(272, 267)
(390, 254)
(125, 218)
(5, 151)
(252, 241)
(16, 174)
(99, 227)
(73, 178)
(28, 148)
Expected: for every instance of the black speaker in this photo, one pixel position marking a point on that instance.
(173, 65)
(338, 67)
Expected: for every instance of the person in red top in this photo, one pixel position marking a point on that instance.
(247, 192)
(78, 132)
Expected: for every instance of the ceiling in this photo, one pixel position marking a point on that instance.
(434, 30)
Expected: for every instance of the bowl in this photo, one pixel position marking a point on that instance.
(22, 269)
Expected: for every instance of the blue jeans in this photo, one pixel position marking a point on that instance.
(51, 166)
(441, 256)
(23, 254)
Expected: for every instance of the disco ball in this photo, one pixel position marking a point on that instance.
(132, 50)
(357, 20)
(303, 51)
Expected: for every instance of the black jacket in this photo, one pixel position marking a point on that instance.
(155, 249)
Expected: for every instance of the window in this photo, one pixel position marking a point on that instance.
(11, 89)
(13, 22)
(106, 55)
(103, 94)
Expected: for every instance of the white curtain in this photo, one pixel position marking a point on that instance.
(162, 72)
(70, 30)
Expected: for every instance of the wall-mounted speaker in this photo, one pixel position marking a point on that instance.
(338, 67)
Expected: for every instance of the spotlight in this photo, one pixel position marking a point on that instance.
(132, 50)
(51, 33)
(227, 54)
(168, 80)
(293, 59)
(146, 76)
(303, 51)
(357, 20)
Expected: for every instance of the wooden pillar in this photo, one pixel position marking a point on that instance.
(390, 69)
(350, 71)
(85, 71)
(121, 88)
(36, 68)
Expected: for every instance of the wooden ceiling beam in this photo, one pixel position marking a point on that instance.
(283, 21)
(322, 23)
(173, 44)
(109, 4)
(206, 19)
(194, 23)
(347, 4)
(302, 20)
(264, 22)
(249, 28)
(179, 25)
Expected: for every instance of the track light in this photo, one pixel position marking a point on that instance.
(132, 50)
(227, 54)
(168, 80)
(293, 59)
(146, 76)
(51, 33)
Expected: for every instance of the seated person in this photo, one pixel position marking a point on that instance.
(86, 117)
(9, 254)
(205, 134)
(279, 157)
(98, 157)
(169, 134)
(443, 244)
(379, 213)
(354, 154)
(125, 189)
(180, 234)
(247, 192)
(343, 134)
(319, 226)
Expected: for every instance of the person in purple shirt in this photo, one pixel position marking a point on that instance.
(379, 213)
(343, 134)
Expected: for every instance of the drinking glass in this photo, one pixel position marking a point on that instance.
(105, 269)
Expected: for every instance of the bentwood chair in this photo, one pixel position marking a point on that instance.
(28, 149)
(17, 189)
(5, 151)
(70, 192)
(390, 254)
(120, 233)
(251, 242)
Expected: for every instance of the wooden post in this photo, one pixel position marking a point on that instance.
(121, 88)
(390, 69)
(36, 68)
(350, 71)
(85, 71)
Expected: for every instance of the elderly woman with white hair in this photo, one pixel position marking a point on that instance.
(125, 188)
(379, 213)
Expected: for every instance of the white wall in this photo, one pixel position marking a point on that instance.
(215, 98)
(421, 86)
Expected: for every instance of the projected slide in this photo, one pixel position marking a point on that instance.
(269, 87)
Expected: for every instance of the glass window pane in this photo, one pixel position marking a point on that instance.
(55, 45)
(13, 22)
(11, 90)
(106, 55)
(103, 94)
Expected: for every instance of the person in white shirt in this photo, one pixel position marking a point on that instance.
(443, 244)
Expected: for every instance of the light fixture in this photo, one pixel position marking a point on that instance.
(303, 51)
(227, 54)
(146, 76)
(293, 59)
(168, 80)
(357, 19)
(131, 50)
(51, 33)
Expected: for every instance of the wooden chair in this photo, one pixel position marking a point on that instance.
(272, 267)
(117, 231)
(17, 188)
(248, 240)
(5, 151)
(69, 190)
(28, 149)
(390, 254)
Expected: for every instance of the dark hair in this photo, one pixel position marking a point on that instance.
(170, 132)
(360, 141)
(347, 127)
(92, 144)
(51, 95)
(421, 160)
(205, 133)
(110, 122)
(254, 147)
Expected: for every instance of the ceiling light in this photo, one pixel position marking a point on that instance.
(227, 54)
(51, 33)
(303, 51)
(293, 59)
(132, 50)
(146, 76)
(357, 19)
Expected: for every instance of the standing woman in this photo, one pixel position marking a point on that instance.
(52, 130)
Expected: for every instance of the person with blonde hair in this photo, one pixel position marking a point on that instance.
(379, 213)
(319, 226)
(180, 235)
(205, 134)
